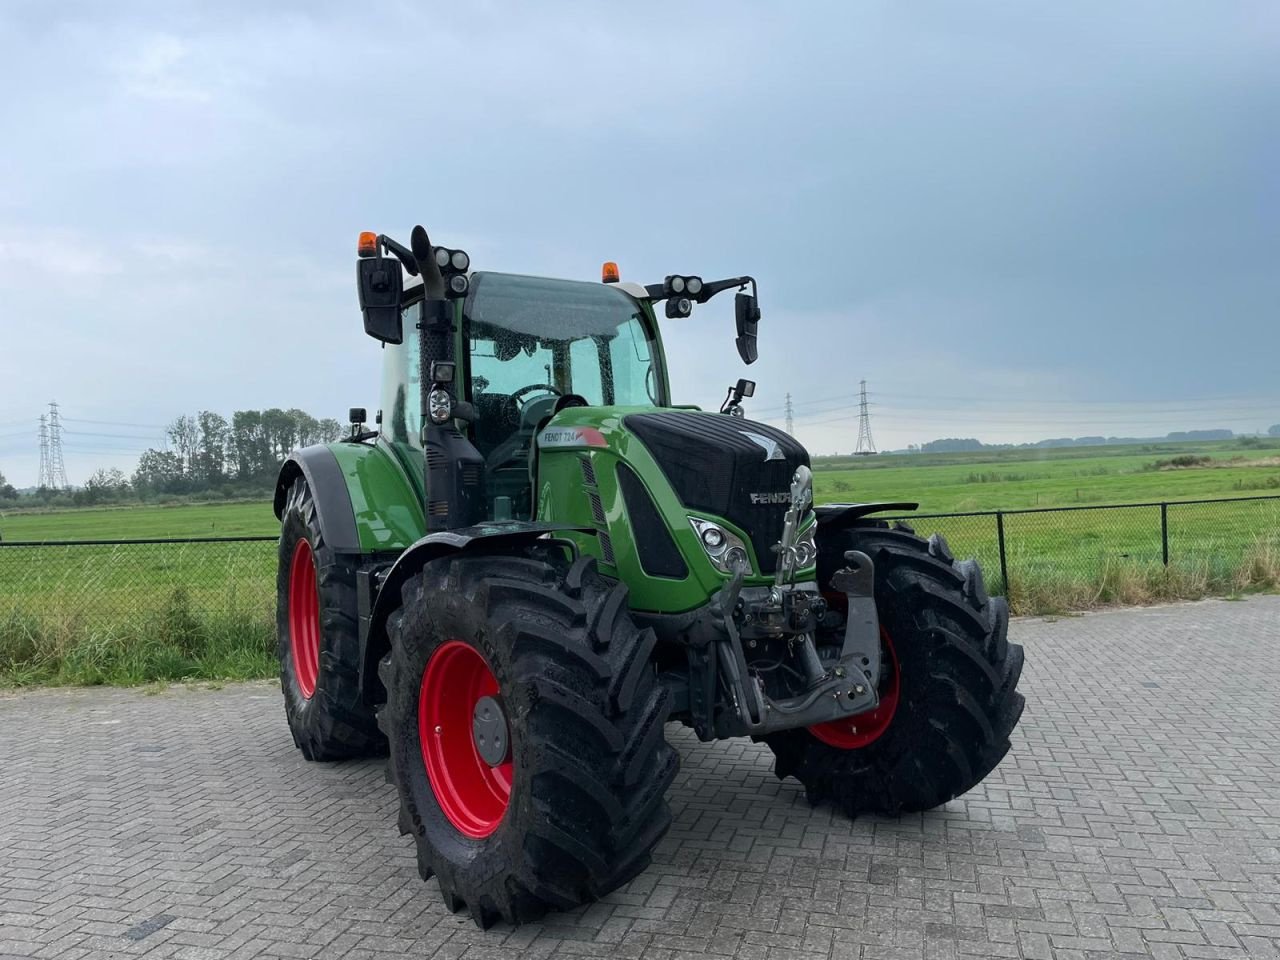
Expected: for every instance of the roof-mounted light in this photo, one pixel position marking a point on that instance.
(609, 272)
(367, 245)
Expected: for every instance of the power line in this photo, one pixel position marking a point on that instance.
(116, 423)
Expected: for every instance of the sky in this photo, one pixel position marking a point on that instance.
(1014, 220)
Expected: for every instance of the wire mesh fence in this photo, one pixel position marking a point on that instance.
(1066, 557)
(58, 593)
(1043, 559)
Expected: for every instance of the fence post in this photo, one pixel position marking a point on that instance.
(1164, 531)
(1004, 563)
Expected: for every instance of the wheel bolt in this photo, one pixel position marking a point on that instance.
(439, 730)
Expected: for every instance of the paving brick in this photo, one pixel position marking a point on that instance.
(1137, 816)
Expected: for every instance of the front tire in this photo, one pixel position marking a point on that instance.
(317, 641)
(949, 699)
(569, 807)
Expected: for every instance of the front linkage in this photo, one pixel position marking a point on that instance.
(740, 619)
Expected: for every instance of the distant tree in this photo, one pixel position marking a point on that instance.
(951, 445)
(306, 427)
(159, 471)
(249, 447)
(103, 486)
(7, 492)
(211, 455)
(1274, 431)
(184, 434)
(328, 430)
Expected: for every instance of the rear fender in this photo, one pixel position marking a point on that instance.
(365, 500)
(495, 537)
(319, 467)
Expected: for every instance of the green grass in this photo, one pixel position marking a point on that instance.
(163, 612)
(134, 613)
(1071, 476)
(143, 521)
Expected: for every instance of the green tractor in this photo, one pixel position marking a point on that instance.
(537, 561)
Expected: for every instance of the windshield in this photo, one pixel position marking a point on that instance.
(563, 336)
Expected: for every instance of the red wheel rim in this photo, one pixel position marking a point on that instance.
(304, 619)
(472, 794)
(853, 733)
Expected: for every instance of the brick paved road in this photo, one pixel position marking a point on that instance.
(1138, 815)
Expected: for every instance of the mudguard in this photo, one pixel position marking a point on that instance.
(495, 535)
(833, 516)
(366, 501)
(328, 486)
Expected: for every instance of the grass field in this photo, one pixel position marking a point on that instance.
(144, 521)
(136, 613)
(1052, 477)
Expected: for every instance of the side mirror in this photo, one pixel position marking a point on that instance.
(746, 310)
(380, 285)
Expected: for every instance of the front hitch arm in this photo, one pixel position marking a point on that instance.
(841, 689)
(862, 625)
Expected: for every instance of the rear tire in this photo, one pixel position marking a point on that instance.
(579, 800)
(317, 640)
(954, 675)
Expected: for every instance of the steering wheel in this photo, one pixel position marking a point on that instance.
(530, 388)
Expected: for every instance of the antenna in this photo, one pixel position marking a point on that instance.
(790, 420)
(57, 469)
(866, 446)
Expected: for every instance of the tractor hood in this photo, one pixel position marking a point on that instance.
(725, 466)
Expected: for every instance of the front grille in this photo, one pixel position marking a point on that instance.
(588, 472)
(714, 467)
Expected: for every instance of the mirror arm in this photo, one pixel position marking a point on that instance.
(402, 253)
(709, 290)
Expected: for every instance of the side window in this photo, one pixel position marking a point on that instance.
(401, 416)
(584, 370)
(632, 362)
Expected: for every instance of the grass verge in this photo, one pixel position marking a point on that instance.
(1128, 582)
(172, 643)
(179, 642)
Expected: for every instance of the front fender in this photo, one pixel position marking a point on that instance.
(833, 516)
(494, 536)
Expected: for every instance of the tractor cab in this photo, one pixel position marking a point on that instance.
(527, 348)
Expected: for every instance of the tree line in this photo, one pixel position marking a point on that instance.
(206, 451)
(206, 455)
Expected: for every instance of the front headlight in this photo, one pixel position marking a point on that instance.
(725, 550)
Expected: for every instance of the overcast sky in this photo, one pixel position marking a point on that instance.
(1014, 220)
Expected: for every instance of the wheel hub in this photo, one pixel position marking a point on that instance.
(489, 730)
(864, 729)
